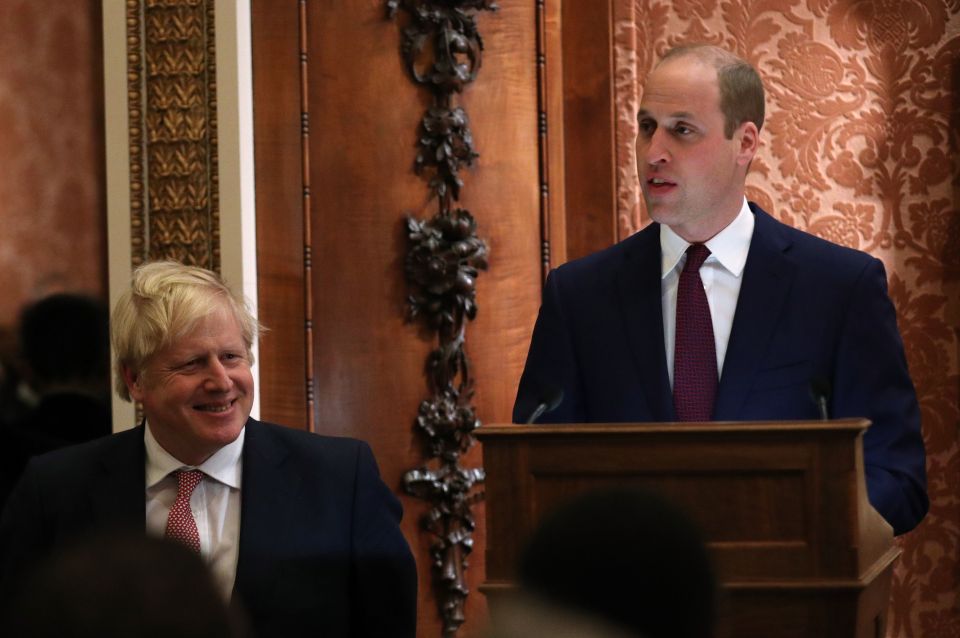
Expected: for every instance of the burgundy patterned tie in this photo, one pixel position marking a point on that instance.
(695, 356)
(181, 526)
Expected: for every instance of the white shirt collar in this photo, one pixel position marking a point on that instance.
(729, 247)
(224, 465)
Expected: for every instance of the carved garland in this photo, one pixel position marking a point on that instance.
(174, 193)
(442, 51)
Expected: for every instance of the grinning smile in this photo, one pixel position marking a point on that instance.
(215, 407)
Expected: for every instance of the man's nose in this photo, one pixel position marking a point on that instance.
(218, 378)
(656, 151)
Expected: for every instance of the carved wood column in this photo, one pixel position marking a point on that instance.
(442, 51)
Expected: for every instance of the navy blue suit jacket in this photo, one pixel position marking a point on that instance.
(321, 552)
(807, 310)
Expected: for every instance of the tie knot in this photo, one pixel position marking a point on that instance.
(696, 255)
(187, 481)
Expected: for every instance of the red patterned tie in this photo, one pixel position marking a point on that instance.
(695, 357)
(181, 526)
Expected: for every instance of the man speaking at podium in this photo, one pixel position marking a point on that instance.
(719, 312)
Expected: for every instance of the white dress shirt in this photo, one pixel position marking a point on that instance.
(215, 503)
(721, 273)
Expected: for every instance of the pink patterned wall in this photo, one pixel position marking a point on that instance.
(52, 202)
(861, 147)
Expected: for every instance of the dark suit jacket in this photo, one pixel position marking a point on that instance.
(807, 310)
(321, 552)
(59, 420)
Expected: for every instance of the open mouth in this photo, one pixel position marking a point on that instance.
(215, 407)
(659, 185)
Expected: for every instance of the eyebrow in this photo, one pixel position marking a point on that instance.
(679, 115)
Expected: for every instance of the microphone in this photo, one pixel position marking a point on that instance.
(820, 393)
(548, 401)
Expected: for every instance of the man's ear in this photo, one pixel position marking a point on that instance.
(747, 137)
(134, 381)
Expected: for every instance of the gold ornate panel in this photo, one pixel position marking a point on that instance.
(173, 131)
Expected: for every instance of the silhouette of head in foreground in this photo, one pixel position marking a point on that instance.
(628, 557)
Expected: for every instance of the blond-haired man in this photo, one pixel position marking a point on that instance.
(297, 528)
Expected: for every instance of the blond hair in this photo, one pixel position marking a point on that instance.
(165, 301)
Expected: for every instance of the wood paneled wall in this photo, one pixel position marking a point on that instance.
(588, 126)
(336, 120)
(282, 211)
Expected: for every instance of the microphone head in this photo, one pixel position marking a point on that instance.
(552, 398)
(547, 401)
(820, 393)
(819, 388)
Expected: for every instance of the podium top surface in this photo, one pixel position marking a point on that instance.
(853, 425)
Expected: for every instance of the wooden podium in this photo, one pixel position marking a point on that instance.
(799, 551)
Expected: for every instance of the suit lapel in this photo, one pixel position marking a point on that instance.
(767, 278)
(267, 495)
(638, 289)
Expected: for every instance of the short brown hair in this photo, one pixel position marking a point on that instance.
(164, 302)
(741, 89)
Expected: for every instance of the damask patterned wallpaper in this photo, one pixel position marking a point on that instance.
(52, 210)
(861, 147)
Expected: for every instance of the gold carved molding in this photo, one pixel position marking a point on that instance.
(172, 107)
